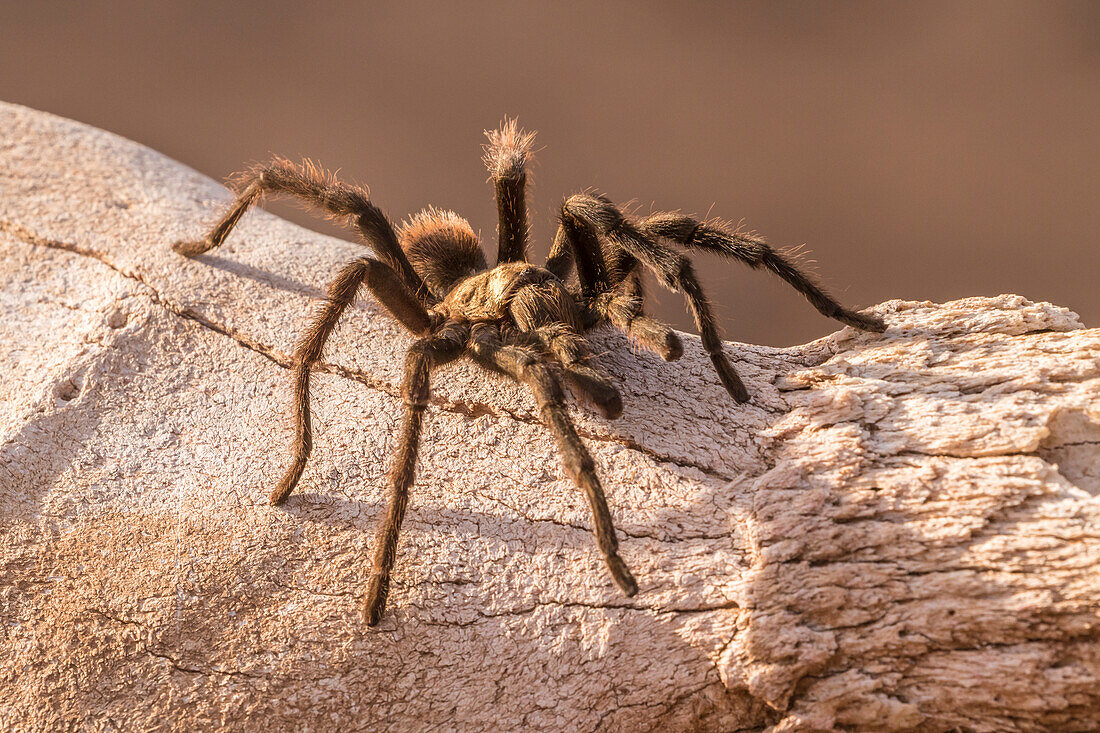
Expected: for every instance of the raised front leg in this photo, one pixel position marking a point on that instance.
(506, 158)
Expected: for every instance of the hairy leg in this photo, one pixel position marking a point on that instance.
(524, 366)
(573, 352)
(561, 257)
(625, 311)
(577, 243)
(611, 295)
(312, 185)
(506, 158)
(756, 253)
(673, 269)
(446, 344)
(388, 289)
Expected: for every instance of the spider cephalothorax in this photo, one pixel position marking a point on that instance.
(517, 319)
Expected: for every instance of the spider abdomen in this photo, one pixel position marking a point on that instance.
(441, 247)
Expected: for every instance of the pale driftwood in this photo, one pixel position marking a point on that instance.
(898, 532)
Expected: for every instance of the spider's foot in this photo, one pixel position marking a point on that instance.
(622, 576)
(673, 347)
(281, 493)
(875, 324)
(372, 613)
(375, 604)
(191, 249)
(289, 481)
(729, 377)
(862, 321)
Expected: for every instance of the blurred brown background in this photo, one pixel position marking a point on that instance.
(925, 150)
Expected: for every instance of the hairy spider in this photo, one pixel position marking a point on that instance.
(517, 319)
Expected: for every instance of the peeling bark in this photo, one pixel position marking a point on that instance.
(898, 532)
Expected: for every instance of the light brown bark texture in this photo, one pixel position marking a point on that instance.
(898, 531)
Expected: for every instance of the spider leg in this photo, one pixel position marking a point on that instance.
(576, 242)
(604, 220)
(312, 185)
(523, 365)
(447, 344)
(623, 304)
(391, 292)
(506, 158)
(560, 259)
(624, 311)
(756, 253)
(572, 351)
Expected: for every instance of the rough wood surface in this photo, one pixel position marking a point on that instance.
(898, 532)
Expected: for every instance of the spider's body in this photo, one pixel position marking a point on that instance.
(488, 295)
(521, 320)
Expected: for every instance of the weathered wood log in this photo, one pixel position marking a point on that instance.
(898, 532)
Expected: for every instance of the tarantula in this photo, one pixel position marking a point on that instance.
(517, 319)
